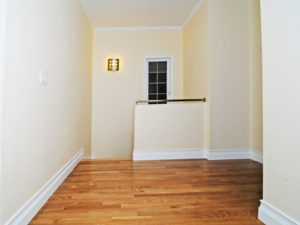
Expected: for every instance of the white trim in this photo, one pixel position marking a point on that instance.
(167, 154)
(3, 24)
(228, 154)
(199, 4)
(256, 156)
(90, 157)
(137, 28)
(270, 215)
(170, 73)
(31, 207)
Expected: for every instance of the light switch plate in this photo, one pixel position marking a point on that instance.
(43, 78)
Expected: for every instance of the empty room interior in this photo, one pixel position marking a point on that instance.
(150, 112)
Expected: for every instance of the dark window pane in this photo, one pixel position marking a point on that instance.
(162, 88)
(152, 97)
(157, 78)
(152, 77)
(162, 77)
(152, 66)
(162, 66)
(152, 88)
(162, 96)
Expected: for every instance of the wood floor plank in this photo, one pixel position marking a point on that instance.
(185, 192)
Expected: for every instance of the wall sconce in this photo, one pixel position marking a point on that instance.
(113, 64)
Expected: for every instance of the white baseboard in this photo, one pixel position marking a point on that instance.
(168, 154)
(29, 210)
(256, 156)
(139, 155)
(95, 157)
(228, 154)
(269, 215)
(87, 157)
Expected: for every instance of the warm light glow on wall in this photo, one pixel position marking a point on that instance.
(113, 64)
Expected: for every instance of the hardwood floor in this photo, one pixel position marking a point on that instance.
(157, 192)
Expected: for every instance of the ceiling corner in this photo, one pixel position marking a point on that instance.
(190, 16)
(85, 9)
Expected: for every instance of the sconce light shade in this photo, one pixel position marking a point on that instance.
(113, 64)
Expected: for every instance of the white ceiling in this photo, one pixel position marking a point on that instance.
(139, 13)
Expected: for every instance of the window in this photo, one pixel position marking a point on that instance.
(158, 78)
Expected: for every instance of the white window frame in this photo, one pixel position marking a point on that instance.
(170, 74)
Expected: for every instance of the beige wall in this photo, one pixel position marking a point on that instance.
(281, 92)
(222, 61)
(44, 126)
(229, 74)
(196, 55)
(115, 93)
(196, 61)
(170, 126)
(220, 47)
(256, 123)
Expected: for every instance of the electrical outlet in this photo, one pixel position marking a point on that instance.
(43, 78)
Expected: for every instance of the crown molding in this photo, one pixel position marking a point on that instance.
(199, 4)
(84, 6)
(137, 28)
